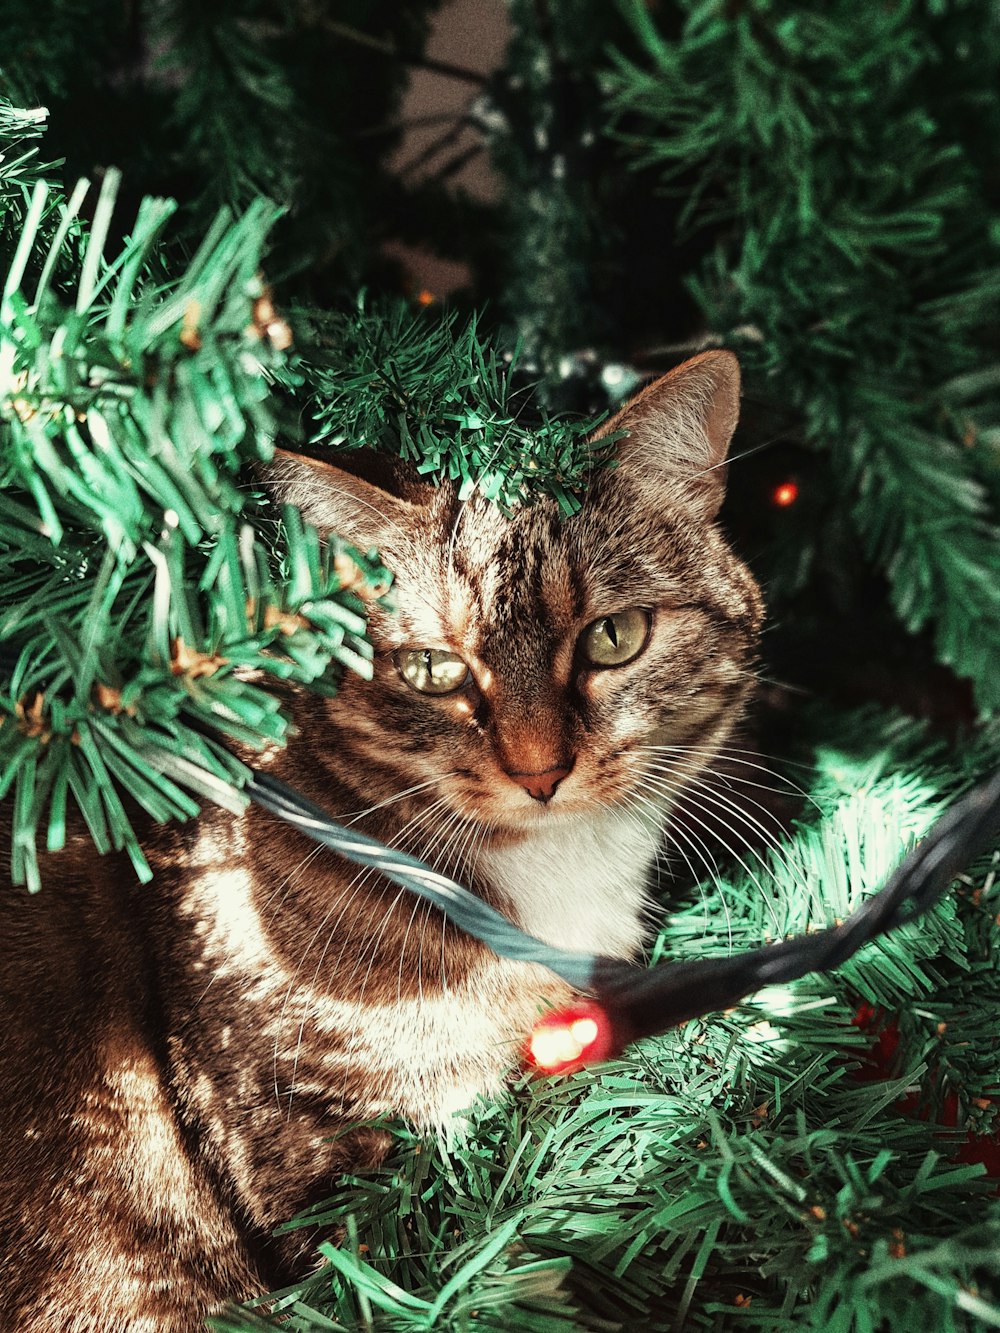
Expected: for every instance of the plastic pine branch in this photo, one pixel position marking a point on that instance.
(250, 109)
(236, 109)
(425, 388)
(138, 595)
(854, 263)
(542, 124)
(19, 128)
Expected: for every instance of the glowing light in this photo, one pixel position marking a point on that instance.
(570, 1038)
(584, 1031)
(551, 1048)
(786, 494)
(426, 298)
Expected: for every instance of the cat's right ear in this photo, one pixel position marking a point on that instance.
(678, 430)
(336, 500)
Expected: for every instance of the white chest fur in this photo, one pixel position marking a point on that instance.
(579, 881)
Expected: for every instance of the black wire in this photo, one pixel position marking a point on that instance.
(641, 1004)
(640, 1001)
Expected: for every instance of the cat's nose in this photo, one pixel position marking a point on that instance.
(541, 786)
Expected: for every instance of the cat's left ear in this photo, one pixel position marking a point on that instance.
(679, 429)
(379, 510)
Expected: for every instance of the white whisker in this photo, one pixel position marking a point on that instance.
(701, 850)
(721, 801)
(678, 793)
(355, 815)
(734, 755)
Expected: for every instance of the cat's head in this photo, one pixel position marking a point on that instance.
(534, 658)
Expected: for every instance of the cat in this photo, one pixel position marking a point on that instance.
(190, 1063)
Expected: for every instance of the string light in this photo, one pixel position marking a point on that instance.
(567, 1039)
(785, 495)
(639, 1002)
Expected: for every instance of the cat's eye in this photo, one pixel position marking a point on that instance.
(614, 640)
(432, 670)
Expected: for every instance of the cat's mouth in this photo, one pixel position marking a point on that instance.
(522, 802)
(518, 803)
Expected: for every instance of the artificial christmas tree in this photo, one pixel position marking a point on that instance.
(833, 219)
(840, 163)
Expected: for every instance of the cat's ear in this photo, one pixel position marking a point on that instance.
(679, 428)
(338, 500)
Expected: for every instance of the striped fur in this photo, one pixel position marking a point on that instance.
(189, 1064)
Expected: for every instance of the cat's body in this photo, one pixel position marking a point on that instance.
(189, 1064)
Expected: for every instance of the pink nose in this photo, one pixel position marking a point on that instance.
(540, 786)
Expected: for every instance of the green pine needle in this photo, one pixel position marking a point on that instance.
(852, 261)
(138, 594)
(424, 388)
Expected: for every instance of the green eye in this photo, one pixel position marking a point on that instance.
(432, 671)
(614, 640)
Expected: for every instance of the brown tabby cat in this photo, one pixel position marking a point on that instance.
(188, 1064)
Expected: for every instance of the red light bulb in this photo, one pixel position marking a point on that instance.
(567, 1039)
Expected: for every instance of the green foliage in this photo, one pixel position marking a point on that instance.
(546, 144)
(136, 595)
(255, 111)
(427, 389)
(20, 168)
(28, 183)
(235, 109)
(837, 156)
(836, 166)
(742, 1170)
(57, 49)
